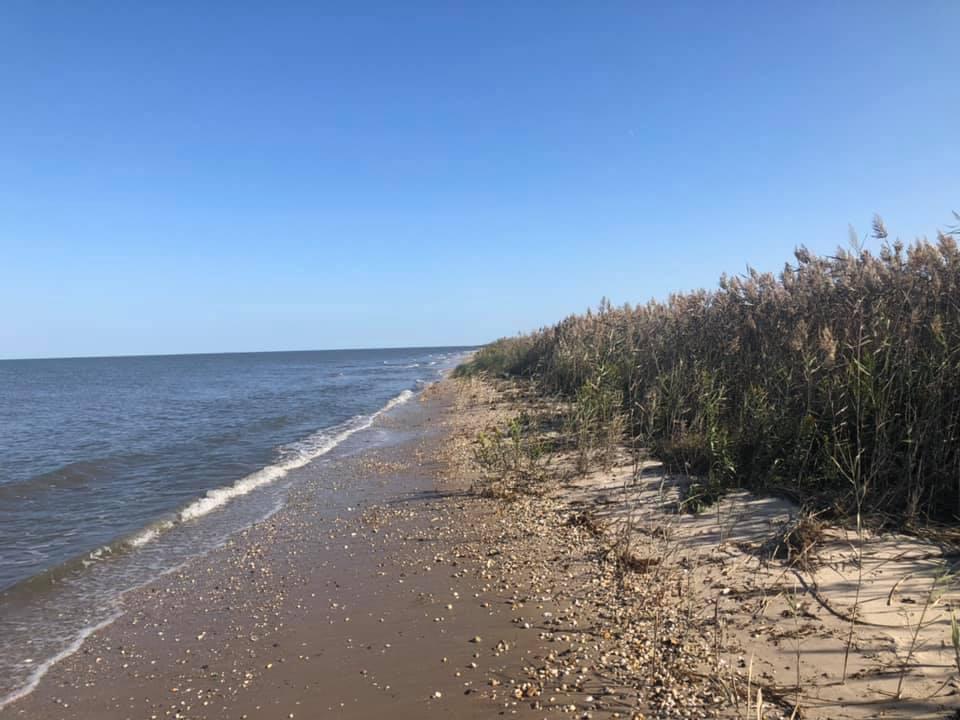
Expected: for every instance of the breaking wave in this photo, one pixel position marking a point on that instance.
(294, 456)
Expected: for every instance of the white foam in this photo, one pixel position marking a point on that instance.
(398, 400)
(43, 667)
(306, 451)
(96, 555)
(150, 533)
(301, 454)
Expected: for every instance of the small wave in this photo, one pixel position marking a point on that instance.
(294, 456)
(297, 455)
(303, 453)
(149, 533)
(95, 555)
(398, 400)
(71, 477)
(41, 669)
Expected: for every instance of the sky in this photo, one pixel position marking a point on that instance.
(238, 176)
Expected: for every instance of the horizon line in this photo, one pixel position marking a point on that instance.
(235, 352)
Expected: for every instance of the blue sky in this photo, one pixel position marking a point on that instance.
(211, 176)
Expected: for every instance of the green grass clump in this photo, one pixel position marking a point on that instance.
(837, 379)
(504, 358)
(512, 460)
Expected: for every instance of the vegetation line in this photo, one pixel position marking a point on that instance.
(836, 381)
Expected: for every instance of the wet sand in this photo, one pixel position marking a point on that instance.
(397, 607)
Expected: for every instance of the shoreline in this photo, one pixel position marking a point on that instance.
(585, 600)
(105, 575)
(271, 621)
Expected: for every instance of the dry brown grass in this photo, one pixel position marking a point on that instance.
(837, 380)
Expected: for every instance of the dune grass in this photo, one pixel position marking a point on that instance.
(836, 381)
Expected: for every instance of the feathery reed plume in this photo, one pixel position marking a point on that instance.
(836, 381)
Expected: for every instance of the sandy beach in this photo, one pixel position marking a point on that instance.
(396, 607)
(588, 599)
(498, 360)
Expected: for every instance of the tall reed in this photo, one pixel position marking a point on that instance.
(837, 381)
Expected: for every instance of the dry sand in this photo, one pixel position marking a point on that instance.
(428, 601)
(781, 625)
(772, 614)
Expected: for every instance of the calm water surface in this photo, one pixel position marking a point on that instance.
(113, 470)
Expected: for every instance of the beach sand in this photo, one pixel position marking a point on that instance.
(588, 600)
(394, 608)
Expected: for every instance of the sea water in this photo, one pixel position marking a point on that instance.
(116, 470)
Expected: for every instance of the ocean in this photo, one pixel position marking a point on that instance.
(114, 471)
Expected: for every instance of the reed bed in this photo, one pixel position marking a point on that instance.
(836, 381)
